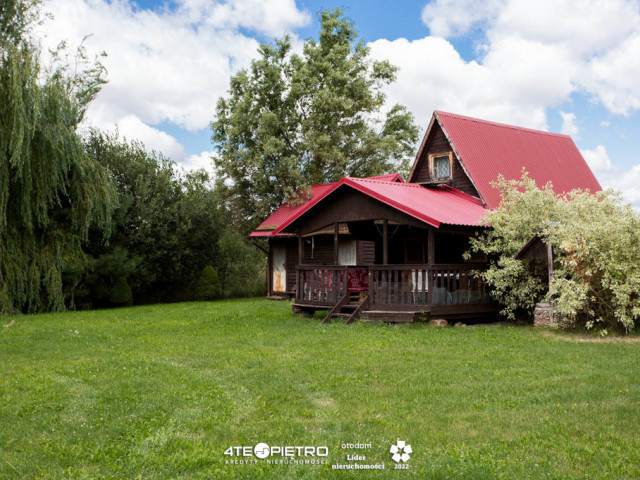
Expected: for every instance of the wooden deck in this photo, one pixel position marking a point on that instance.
(396, 292)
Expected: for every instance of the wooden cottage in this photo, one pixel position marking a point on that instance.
(393, 250)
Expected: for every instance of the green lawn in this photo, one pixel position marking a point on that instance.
(162, 391)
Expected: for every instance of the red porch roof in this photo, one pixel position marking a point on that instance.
(433, 206)
(488, 149)
(287, 212)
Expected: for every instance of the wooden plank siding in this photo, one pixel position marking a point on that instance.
(360, 207)
(366, 252)
(438, 143)
(322, 255)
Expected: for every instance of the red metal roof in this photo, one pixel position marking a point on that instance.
(268, 233)
(391, 177)
(287, 211)
(488, 149)
(433, 206)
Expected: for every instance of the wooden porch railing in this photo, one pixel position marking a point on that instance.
(398, 286)
(321, 284)
(458, 285)
(423, 285)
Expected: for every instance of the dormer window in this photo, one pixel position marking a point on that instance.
(441, 166)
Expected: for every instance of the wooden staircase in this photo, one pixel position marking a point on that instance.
(349, 307)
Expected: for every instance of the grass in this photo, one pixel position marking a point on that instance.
(162, 391)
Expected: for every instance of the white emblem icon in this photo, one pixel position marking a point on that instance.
(400, 451)
(261, 450)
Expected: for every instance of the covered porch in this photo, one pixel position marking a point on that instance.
(415, 265)
(418, 284)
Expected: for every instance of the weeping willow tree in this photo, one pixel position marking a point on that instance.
(51, 193)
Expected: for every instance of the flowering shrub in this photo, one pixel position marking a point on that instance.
(596, 245)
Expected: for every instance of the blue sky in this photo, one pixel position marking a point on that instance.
(556, 65)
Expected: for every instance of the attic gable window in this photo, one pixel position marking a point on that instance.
(441, 165)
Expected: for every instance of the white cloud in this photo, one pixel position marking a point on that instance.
(131, 127)
(447, 18)
(598, 160)
(433, 76)
(610, 176)
(582, 27)
(169, 65)
(569, 126)
(629, 184)
(271, 17)
(203, 160)
(533, 56)
(613, 77)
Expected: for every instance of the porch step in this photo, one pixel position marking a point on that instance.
(345, 304)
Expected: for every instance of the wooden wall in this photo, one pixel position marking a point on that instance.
(346, 205)
(366, 252)
(438, 143)
(322, 255)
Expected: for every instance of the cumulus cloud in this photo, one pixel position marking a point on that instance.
(629, 184)
(447, 18)
(132, 128)
(610, 176)
(203, 160)
(530, 58)
(598, 160)
(569, 126)
(168, 65)
(433, 76)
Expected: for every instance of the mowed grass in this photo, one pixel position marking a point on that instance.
(162, 391)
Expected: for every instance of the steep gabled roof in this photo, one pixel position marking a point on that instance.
(487, 149)
(432, 206)
(287, 211)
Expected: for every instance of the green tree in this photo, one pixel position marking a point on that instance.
(293, 120)
(595, 238)
(241, 267)
(165, 230)
(51, 192)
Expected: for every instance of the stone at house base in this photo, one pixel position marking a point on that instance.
(460, 325)
(542, 316)
(439, 323)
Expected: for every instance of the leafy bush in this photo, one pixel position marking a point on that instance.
(595, 238)
(121, 292)
(208, 284)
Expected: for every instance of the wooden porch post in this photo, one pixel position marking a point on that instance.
(385, 242)
(431, 249)
(336, 231)
(300, 249)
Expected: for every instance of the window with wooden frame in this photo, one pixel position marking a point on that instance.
(414, 250)
(441, 165)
